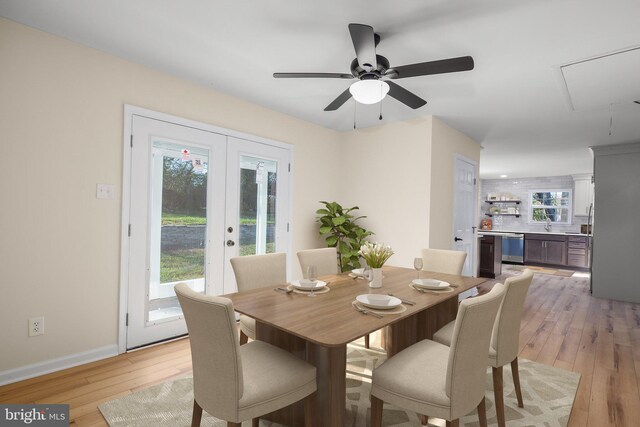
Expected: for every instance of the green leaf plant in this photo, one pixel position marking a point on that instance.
(340, 230)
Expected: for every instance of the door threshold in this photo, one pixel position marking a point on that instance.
(157, 343)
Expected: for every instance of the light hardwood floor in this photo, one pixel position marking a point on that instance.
(562, 325)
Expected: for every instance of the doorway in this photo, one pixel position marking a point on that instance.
(464, 212)
(197, 198)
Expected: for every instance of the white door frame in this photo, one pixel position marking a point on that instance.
(475, 208)
(129, 112)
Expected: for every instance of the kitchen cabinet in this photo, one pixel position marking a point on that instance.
(545, 249)
(582, 194)
(490, 256)
(578, 251)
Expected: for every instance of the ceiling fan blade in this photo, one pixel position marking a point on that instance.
(451, 65)
(364, 43)
(404, 96)
(341, 99)
(312, 76)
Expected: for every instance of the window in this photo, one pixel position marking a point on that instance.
(550, 205)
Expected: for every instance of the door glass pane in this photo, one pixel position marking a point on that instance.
(178, 225)
(257, 205)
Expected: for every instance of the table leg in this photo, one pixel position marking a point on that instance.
(331, 365)
(422, 325)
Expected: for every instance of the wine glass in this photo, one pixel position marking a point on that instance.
(417, 264)
(312, 275)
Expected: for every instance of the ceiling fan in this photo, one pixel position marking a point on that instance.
(374, 73)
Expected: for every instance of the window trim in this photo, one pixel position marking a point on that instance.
(569, 207)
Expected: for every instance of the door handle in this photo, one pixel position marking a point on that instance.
(457, 239)
(230, 243)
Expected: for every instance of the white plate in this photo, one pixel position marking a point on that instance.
(378, 301)
(430, 284)
(358, 271)
(308, 285)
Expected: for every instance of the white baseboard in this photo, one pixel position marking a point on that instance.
(58, 364)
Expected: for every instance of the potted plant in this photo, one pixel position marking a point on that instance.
(341, 231)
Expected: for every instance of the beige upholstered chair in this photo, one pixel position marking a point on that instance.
(257, 271)
(433, 379)
(504, 339)
(233, 382)
(325, 260)
(443, 261)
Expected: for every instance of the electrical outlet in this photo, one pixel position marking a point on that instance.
(36, 326)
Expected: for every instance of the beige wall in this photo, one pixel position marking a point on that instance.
(61, 118)
(446, 143)
(387, 175)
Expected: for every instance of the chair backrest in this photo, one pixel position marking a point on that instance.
(259, 271)
(469, 351)
(215, 351)
(443, 261)
(325, 260)
(506, 329)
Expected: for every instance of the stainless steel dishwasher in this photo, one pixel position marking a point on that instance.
(513, 248)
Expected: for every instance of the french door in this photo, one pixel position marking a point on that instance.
(198, 198)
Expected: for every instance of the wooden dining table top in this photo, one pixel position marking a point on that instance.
(329, 319)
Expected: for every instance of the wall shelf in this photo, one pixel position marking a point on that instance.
(517, 202)
(502, 214)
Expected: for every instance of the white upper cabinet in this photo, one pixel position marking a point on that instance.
(583, 194)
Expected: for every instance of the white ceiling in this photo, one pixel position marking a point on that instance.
(513, 102)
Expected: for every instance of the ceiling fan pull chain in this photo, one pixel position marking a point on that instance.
(381, 99)
(610, 118)
(355, 107)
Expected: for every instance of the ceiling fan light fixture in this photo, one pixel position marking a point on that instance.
(369, 91)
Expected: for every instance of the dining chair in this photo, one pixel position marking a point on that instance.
(326, 261)
(435, 380)
(236, 383)
(443, 260)
(504, 338)
(257, 271)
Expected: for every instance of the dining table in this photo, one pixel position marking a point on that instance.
(317, 329)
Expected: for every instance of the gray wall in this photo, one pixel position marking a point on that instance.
(616, 231)
(520, 188)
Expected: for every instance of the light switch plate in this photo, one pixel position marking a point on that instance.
(105, 191)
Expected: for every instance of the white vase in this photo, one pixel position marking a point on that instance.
(375, 280)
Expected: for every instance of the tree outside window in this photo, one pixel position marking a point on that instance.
(550, 205)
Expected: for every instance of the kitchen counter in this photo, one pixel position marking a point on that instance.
(553, 233)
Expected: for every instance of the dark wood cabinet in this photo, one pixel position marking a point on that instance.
(490, 256)
(578, 251)
(533, 250)
(545, 249)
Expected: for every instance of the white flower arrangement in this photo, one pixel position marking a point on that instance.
(375, 254)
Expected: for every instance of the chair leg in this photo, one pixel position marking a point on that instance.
(376, 412)
(498, 392)
(255, 422)
(309, 409)
(243, 338)
(424, 419)
(197, 414)
(453, 423)
(516, 381)
(482, 413)
(366, 341)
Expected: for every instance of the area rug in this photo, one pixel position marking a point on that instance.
(548, 395)
(544, 270)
